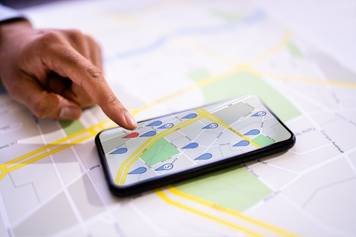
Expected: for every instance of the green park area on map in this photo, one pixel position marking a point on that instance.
(160, 151)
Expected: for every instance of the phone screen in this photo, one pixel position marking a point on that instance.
(189, 139)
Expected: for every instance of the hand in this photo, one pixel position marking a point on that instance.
(56, 73)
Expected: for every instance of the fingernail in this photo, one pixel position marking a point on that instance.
(69, 113)
(130, 120)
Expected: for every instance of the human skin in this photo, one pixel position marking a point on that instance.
(56, 73)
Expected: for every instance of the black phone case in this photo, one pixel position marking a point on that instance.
(153, 183)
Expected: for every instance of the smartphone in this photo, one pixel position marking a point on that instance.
(185, 144)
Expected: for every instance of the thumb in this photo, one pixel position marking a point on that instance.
(53, 106)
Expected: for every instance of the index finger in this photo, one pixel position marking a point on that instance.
(69, 63)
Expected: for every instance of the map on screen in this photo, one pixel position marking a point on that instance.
(188, 139)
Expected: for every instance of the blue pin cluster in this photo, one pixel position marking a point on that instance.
(191, 145)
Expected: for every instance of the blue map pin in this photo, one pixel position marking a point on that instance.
(242, 143)
(155, 123)
(259, 114)
(253, 132)
(167, 166)
(148, 134)
(139, 170)
(211, 126)
(120, 150)
(205, 156)
(167, 125)
(191, 145)
(190, 116)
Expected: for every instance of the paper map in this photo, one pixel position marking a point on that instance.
(161, 57)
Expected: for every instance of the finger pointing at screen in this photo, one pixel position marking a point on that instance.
(56, 73)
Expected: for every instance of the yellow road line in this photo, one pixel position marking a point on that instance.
(57, 142)
(3, 171)
(91, 131)
(200, 213)
(277, 230)
(51, 148)
(44, 154)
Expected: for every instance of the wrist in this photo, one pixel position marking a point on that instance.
(13, 27)
(12, 34)
(11, 31)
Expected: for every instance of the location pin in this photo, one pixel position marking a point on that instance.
(167, 166)
(259, 114)
(205, 156)
(155, 123)
(191, 145)
(167, 125)
(253, 132)
(149, 134)
(139, 170)
(211, 126)
(120, 150)
(242, 143)
(190, 116)
(132, 135)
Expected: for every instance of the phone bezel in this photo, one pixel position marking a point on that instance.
(153, 183)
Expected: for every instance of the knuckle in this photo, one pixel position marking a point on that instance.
(74, 32)
(74, 35)
(95, 73)
(48, 41)
(94, 43)
(49, 37)
(92, 40)
(112, 100)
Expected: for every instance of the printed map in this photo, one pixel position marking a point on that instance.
(166, 56)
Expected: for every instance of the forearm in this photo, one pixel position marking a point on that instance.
(10, 31)
(10, 23)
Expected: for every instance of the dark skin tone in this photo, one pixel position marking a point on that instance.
(56, 73)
